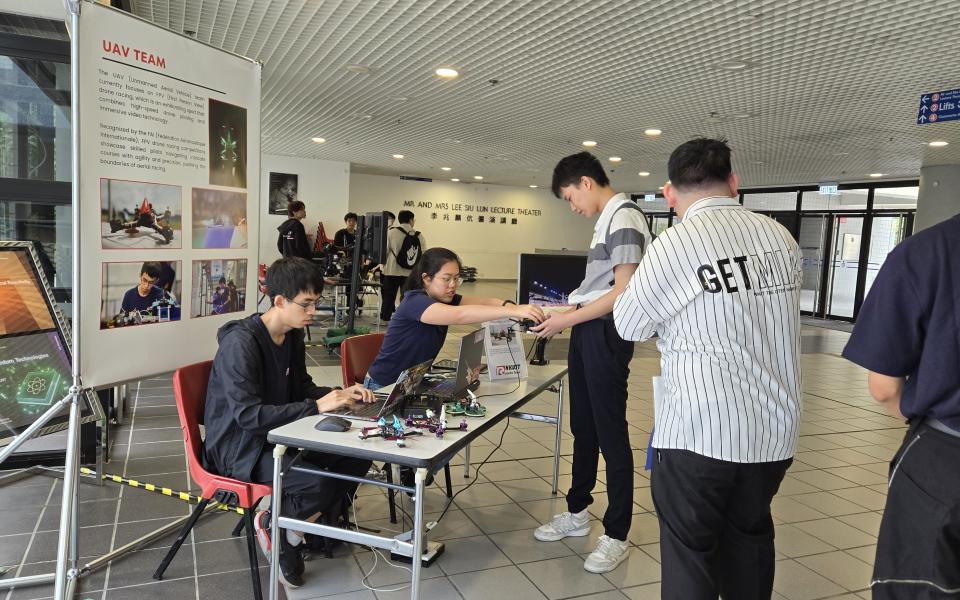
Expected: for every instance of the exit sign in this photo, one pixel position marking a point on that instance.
(649, 197)
(829, 189)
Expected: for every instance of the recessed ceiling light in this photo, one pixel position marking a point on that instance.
(455, 179)
(876, 175)
(445, 169)
(938, 144)
(318, 140)
(478, 177)
(398, 156)
(644, 173)
(399, 98)
(841, 154)
(447, 73)
(660, 188)
(733, 65)
(589, 144)
(652, 132)
(358, 68)
(533, 186)
(615, 159)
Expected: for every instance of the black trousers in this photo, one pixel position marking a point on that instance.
(389, 286)
(716, 532)
(599, 364)
(918, 549)
(305, 495)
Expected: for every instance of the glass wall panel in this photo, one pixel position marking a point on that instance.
(843, 200)
(769, 201)
(896, 198)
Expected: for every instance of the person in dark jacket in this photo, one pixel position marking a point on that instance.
(293, 237)
(259, 382)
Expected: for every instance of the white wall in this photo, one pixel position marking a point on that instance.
(323, 185)
(493, 249)
(937, 200)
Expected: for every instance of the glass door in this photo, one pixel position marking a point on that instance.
(889, 229)
(844, 265)
(813, 247)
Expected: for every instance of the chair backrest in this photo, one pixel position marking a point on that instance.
(190, 392)
(356, 356)
(321, 238)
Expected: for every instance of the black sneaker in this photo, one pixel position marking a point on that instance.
(291, 561)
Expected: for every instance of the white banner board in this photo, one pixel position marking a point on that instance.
(170, 183)
(505, 357)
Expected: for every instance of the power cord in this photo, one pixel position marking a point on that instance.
(376, 557)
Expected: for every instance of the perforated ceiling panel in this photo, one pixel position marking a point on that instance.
(830, 90)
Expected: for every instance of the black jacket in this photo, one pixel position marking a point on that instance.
(293, 240)
(247, 396)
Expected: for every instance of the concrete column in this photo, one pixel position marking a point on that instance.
(939, 197)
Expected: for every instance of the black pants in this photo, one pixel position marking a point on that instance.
(305, 495)
(599, 363)
(918, 549)
(390, 285)
(716, 532)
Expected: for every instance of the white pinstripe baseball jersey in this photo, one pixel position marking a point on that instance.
(722, 291)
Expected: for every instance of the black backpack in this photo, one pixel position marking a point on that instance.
(410, 250)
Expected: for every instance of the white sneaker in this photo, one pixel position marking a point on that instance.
(563, 525)
(608, 555)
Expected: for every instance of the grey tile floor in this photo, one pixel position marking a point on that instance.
(827, 512)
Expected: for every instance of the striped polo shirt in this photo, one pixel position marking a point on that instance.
(722, 291)
(620, 236)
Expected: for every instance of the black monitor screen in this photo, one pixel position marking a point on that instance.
(548, 279)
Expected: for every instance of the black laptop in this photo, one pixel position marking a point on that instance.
(468, 370)
(386, 404)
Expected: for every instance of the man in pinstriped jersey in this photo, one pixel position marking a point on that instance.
(722, 291)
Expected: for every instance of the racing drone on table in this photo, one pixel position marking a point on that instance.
(146, 217)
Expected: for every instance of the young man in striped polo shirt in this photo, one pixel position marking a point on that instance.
(599, 360)
(722, 291)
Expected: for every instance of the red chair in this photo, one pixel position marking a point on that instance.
(356, 355)
(321, 239)
(190, 391)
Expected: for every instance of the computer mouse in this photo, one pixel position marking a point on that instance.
(332, 423)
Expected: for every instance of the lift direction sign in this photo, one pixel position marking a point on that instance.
(939, 106)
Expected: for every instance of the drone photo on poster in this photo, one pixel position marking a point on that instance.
(219, 218)
(227, 126)
(283, 190)
(135, 214)
(139, 293)
(219, 287)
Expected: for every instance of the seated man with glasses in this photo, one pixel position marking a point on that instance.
(259, 382)
(430, 303)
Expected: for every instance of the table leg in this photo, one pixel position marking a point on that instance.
(556, 444)
(278, 451)
(417, 559)
(466, 462)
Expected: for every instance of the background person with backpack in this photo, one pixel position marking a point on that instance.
(405, 246)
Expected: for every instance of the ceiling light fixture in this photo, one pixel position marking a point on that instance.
(445, 169)
(478, 177)
(615, 159)
(938, 144)
(533, 186)
(398, 156)
(447, 73)
(318, 140)
(361, 69)
(644, 173)
(652, 132)
(589, 143)
(455, 180)
(875, 175)
(733, 65)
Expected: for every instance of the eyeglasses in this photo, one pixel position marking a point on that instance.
(447, 280)
(309, 307)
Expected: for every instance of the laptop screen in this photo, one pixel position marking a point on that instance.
(408, 382)
(471, 359)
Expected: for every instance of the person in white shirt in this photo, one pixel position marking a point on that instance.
(598, 359)
(722, 291)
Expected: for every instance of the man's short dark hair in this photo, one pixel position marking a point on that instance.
(294, 207)
(292, 275)
(571, 168)
(698, 163)
(405, 216)
(349, 215)
(152, 269)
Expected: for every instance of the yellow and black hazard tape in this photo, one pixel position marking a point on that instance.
(186, 497)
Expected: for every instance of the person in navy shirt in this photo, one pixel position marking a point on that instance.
(431, 303)
(908, 337)
(142, 297)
